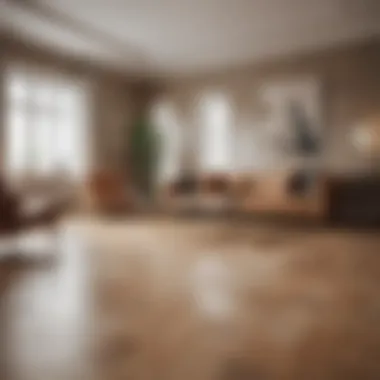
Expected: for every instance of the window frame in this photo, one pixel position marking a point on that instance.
(33, 109)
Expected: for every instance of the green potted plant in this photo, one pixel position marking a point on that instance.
(143, 156)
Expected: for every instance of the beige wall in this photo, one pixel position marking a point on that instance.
(349, 76)
(111, 100)
(350, 83)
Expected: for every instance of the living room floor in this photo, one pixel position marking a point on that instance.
(177, 299)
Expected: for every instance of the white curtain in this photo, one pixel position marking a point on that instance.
(165, 120)
(216, 137)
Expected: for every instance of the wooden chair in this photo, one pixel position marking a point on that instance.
(179, 195)
(108, 193)
(216, 192)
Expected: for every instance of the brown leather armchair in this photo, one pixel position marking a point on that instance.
(108, 193)
(14, 217)
(9, 214)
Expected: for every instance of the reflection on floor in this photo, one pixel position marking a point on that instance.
(185, 300)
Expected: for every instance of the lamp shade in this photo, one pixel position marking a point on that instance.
(366, 137)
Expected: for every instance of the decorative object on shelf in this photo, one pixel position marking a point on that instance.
(301, 183)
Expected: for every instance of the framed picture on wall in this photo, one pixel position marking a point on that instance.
(294, 118)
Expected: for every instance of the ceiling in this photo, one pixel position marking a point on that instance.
(177, 37)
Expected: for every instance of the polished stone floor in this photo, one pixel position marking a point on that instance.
(177, 300)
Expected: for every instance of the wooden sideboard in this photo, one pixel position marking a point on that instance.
(266, 193)
(272, 193)
(333, 199)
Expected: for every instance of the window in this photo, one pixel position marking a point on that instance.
(216, 137)
(170, 140)
(45, 125)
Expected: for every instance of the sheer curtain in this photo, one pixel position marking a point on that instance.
(216, 136)
(46, 125)
(165, 120)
